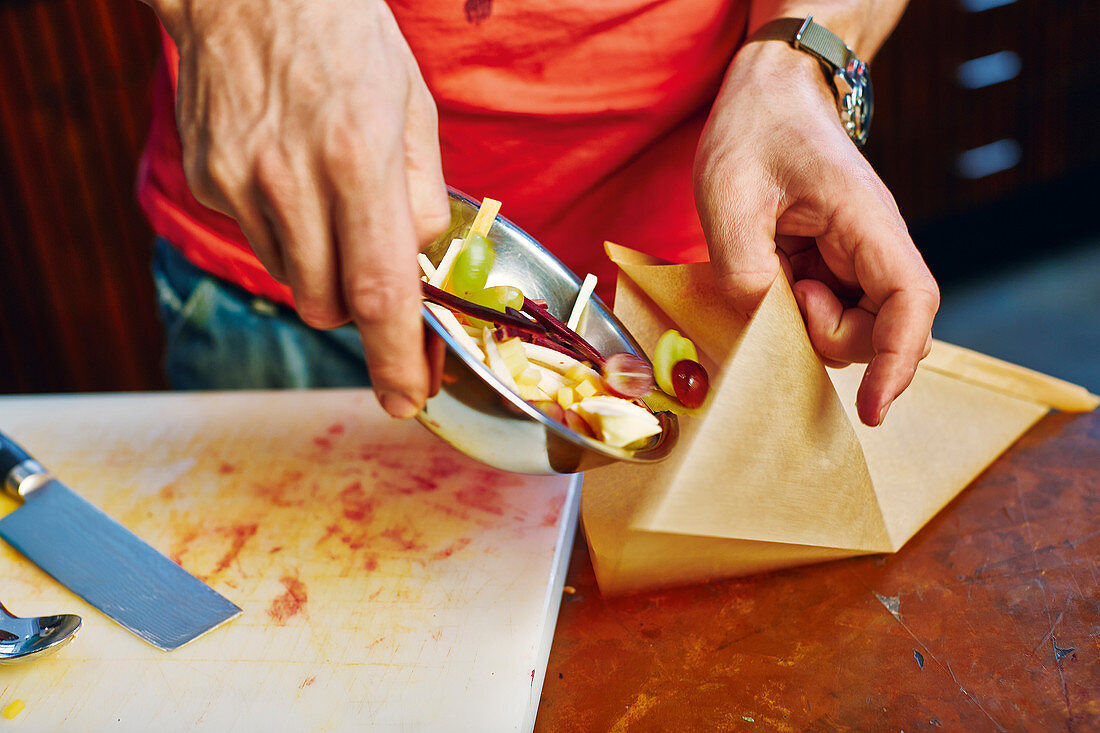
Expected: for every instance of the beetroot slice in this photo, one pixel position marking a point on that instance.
(452, 301)
(563, 332)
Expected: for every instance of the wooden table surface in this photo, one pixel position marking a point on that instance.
(989, 619)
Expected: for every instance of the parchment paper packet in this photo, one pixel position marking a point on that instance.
(779, 471)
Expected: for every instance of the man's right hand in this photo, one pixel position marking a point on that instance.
(310, 124)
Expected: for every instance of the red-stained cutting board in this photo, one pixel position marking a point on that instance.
(387, 582)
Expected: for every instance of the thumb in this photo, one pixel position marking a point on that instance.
(738, 219)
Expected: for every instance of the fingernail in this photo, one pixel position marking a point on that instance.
(882, 413)
(398, 405)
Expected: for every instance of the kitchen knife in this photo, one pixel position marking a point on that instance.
(101, 561)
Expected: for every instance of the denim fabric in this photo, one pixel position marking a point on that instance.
(219, 336)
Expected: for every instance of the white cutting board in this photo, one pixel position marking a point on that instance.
(388, 583)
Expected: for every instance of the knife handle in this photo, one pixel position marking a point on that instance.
(16, 467)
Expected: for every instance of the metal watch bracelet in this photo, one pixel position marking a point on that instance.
(850, 76)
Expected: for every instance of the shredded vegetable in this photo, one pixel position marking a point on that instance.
(535, 355)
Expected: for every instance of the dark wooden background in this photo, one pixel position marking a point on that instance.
(77, 311)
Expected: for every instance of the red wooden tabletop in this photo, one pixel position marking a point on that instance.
(989, 619)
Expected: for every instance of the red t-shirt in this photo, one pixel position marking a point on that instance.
(582, 118)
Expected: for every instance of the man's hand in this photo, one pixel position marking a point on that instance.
(309, 123)
(779, 186)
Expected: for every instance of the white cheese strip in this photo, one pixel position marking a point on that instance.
(583, 296)
(496, 361)
(445, 264)
(555, 360)
(426, 265)
(447, 318)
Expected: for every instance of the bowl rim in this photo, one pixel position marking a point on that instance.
(669, 424)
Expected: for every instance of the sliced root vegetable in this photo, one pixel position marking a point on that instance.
(554, 359)
(559, 329)
(529, 377)
(445, 264)
(486, 215)
(447, 318)
(531, 393)
(534, 354)
(541, 339)
(426, 265)
(583, 296)
(587, 387)
(452, 301)
(582, 372)
(534, 332)
(495, 362)
(514, 355)
(549, 380)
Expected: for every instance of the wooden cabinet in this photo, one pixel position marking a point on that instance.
(983, 109)
(76, 301)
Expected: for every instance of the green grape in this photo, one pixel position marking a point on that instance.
(472, 266)
(498, 297)
(671, 348)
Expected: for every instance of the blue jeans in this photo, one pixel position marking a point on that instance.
(218, 336)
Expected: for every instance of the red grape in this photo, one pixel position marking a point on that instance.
(691, 383)
(627, 375)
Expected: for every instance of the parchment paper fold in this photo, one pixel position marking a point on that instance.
(779, 471)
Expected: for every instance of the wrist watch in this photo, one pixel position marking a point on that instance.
(849, 76)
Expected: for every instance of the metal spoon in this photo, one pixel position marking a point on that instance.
(22, 639)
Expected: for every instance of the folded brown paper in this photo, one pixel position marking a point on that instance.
(778, 471)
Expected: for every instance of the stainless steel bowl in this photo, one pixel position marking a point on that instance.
(478, 415)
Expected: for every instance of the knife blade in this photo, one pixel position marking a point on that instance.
(101, 561)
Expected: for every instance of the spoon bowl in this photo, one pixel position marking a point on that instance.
(23, 639)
